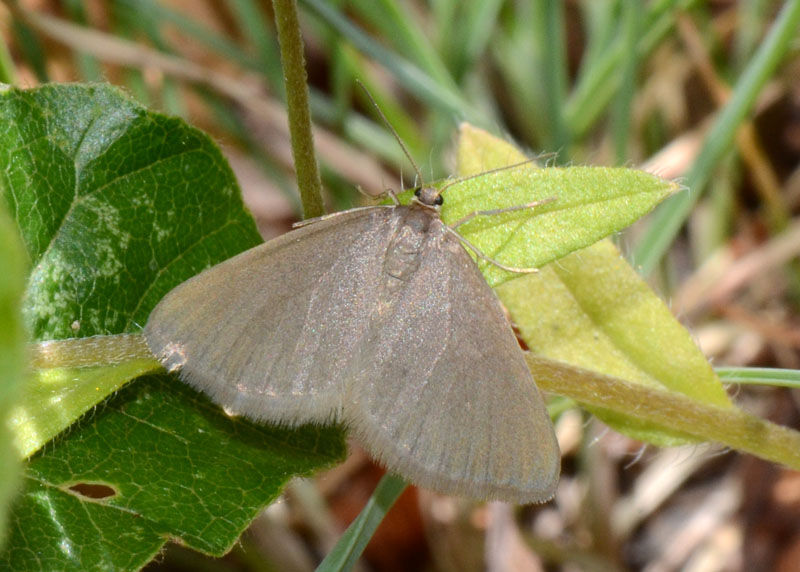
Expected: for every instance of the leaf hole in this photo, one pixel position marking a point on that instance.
(93, 491)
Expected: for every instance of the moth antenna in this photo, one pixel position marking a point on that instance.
(489, 172)
(394, 133)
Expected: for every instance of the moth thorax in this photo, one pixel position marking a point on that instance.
(403, 256)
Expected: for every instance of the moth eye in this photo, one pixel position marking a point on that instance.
(439, 200)
(417, 191)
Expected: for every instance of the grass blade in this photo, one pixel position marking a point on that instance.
(352, 543)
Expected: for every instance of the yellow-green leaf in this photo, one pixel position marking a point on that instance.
(592, 310)
(584, 205)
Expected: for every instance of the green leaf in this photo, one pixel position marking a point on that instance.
(591, 309)
(12, 352)
(117, 205)
(165, 462)
(587, 204)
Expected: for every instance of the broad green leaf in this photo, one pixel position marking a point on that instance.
(591, 309)
(116, 205)
(165, 463)
(12, 360)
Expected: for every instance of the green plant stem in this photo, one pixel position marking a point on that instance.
(669, 218)
(70, 376)
(730, 426)
(294, 72)
(760, 376)
(14, 261)
(352, 543)
(727, 425)
(89, 352)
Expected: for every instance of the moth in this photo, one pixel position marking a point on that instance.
(379, 318)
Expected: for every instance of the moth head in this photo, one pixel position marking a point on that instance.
(428, 196)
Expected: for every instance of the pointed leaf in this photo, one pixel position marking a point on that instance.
(592, 310)
(586, 204)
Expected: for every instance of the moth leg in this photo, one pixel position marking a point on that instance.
(489, 259)
(387, 192)
(490, 212)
